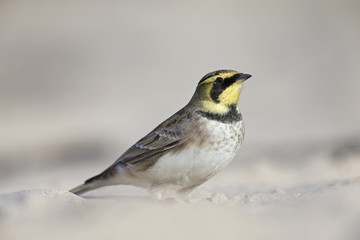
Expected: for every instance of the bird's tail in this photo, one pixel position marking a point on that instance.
(83, 188)
(98, 181)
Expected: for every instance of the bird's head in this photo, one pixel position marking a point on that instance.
(219, 90)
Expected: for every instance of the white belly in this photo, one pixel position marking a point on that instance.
(194, 165)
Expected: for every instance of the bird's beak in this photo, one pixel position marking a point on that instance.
(243, 77)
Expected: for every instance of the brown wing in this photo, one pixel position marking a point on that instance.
(173, 134)
(169, 135)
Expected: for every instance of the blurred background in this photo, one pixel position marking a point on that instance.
(80, 81)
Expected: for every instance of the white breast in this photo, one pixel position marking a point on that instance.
(194, 165)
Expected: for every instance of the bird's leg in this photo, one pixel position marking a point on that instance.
(185, 193)
(158, 191)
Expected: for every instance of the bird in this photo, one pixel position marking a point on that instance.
(188, 148)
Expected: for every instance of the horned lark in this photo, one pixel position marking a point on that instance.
(188, 148)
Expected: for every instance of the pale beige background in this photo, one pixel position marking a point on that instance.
(80, 81)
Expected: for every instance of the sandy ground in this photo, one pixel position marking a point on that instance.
(80, 81)
(314, 196)
(329, 211)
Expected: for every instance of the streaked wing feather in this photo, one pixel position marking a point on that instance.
(168, 135)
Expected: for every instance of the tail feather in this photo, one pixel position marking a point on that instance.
(86, 187)
(98, 181)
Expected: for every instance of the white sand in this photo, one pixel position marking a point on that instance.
(328, 211)
(312, 198)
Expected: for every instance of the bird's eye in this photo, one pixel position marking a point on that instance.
(219, 80)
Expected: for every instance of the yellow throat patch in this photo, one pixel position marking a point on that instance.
(229, 96)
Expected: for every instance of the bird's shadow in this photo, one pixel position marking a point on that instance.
(113, 197)
(132, 198)
(147, 199)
